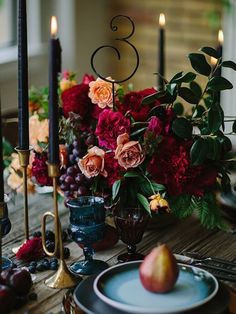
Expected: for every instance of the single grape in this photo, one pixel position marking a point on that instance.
(69, 180)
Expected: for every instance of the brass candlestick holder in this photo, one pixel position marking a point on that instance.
(24, 155)
(63, 278)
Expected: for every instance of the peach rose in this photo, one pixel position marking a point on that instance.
(38, 130)
(15, 179)
(100, 92)
(128, 153)
(92, 164)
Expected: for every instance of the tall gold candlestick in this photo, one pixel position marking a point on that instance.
(63, 278)
(24, 155)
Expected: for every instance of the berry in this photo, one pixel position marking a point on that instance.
(53, 266)
(33, 296)
(40, 267)
(50, 235)
(54, 260)
(66, 252)
(32, 269)
(33, 263)
(37, 234)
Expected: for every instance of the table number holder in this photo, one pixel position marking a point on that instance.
(24, 155)
(63, 278)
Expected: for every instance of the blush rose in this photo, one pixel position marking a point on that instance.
(92, 164)
(128, 153)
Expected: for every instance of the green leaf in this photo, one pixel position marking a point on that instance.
(186, 78)
(115, 188)
(218, 83)
(234, 127)
(229, 64)
(199, 63)
(138, 132)
(144, 202)
(176, 76)
(213, 148)
(198, 152)
(182, 128)
(214, 119)
(188, 95)
(181, 206)
(151, 98)
(196, 88)
(210, 52)
(131, 174)
(158, 187)
(178, 108)
(171, 88)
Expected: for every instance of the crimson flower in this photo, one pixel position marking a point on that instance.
(40, 169)
(110, 125)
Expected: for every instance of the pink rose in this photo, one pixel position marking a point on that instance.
(110, 125)
(92, 164)
(128, 153)
(87, 79)
(100, 92)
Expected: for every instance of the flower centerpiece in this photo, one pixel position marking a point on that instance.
(141, 147)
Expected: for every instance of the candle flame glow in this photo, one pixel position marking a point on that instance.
(162, 20)
(213, 61)
(220, 36)
(53, 26)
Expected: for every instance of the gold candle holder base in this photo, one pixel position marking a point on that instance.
(24, 155)
(63, 278)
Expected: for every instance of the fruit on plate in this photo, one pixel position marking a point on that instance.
(159, 270)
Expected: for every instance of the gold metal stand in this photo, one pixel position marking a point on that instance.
(24, 155)
(63, 277)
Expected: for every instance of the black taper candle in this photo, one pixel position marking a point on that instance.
(1, 159)
(54, 64)
(161, 58)
(23, 110)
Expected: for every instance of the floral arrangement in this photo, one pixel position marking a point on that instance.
(141, 147)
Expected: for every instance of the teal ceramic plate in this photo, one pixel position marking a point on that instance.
(120, 287)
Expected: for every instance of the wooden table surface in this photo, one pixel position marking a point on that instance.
(179, 235)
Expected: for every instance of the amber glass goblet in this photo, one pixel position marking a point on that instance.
(131, 224)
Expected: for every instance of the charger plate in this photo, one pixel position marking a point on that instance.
(121, 288)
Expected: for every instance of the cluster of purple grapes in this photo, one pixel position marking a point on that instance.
(72, 181)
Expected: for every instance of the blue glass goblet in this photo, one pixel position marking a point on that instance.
(5, 229)
(87, 226)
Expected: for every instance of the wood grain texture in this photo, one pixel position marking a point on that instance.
(180, 235)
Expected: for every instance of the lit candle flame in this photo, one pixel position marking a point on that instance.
(221, 36)
(162, 20)
(53, 26)
(213, 61)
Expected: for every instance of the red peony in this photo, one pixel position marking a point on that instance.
(31, 250)
(113, 169)
(110, 125)
(171, 167)
(40, 169)
(76, 100)
(132, 103)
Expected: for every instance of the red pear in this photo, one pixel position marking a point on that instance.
(159, 270)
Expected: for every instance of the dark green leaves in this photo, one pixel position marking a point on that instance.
(115, 188)
(219, 83)
(198, 152)
(210, 52)
(214, 118)
(188, 95)
(229, 64)
(182, 128)
(144, 202)
(185, 78)
(199, 63)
